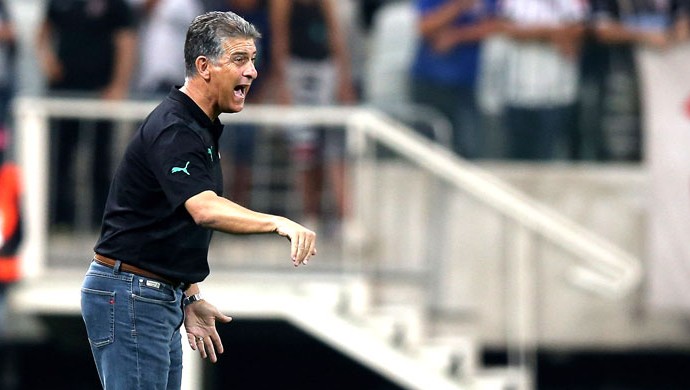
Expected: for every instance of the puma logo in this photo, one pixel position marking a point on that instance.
(180, 169)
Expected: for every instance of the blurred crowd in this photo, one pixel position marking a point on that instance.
(534, 80)
(555, 78)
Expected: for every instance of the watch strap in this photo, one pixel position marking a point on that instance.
(188, 300)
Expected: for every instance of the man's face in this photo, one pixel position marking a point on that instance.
(234, 73)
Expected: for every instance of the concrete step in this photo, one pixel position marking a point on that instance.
(456, 357)
(402, 326)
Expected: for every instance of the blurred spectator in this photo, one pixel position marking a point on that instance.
(588, 138)
(238, 142)
(620, 26)
(8, 50)
(446, 68)
(162, 29)
(542, 76)
(10, 231)
(367, 11)
(10, 212)
(311, 65)
(87, 49)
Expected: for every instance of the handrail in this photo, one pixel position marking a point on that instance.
(610, 270)
(613, 272)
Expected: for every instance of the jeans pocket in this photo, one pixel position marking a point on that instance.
(98, 311)
(153, 291)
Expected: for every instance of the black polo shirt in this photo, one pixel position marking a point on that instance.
(172, 157)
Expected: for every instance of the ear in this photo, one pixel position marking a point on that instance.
(203, 64)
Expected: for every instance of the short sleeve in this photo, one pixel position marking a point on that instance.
(180, 161)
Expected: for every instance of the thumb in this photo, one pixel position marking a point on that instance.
(223, 318)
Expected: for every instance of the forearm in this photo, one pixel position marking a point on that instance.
(472, 33)
(613, 33)
(279, 14)
(530, 33)
(566, 34)
(46, 54)
(125, 49)
(215, 212)
(442, 16)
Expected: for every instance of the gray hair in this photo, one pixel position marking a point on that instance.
(208, 31)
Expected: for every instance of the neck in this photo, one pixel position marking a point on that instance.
(199, 97)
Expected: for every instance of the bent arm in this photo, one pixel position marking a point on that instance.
(49, 62)
(279, 16)
(613, 32)
(442, 17)
(341, 53)
(125, 59)
(215, 212)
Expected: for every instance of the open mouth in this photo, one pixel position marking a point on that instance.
(241, 91)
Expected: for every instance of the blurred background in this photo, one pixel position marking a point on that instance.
(500, 189)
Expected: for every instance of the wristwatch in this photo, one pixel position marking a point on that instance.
(191, 299)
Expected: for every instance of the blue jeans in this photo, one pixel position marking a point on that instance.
(458, 103)
(133, 325)
(538, 133)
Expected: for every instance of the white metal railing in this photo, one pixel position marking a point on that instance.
(608, 270)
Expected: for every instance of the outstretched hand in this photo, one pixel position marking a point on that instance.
(302, 240)
(200, 324)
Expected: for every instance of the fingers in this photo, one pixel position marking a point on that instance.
(207, 346)
(302, 253)
(192, 341)
(294, 250)
(302, 240)
(303, 246)
(208, 349)
(215, 345)
(202, 335)
(200, 342)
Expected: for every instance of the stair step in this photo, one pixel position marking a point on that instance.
(456, 357)
(403, 326)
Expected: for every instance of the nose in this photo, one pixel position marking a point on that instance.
(250, 71)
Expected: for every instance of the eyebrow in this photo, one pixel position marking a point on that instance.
(243, 53)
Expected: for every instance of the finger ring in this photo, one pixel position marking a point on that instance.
(200, 339)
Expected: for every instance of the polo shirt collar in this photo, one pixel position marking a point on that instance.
(216, 127)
